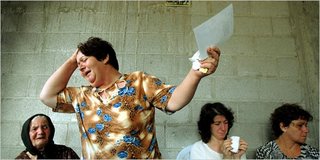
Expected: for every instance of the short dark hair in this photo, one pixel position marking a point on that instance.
(207, 114)
(99, 49)
(285, 114)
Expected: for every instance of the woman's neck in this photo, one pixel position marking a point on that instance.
(215, 144)
(110, 79)
(288, 147)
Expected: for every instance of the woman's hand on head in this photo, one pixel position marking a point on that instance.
(73, 57)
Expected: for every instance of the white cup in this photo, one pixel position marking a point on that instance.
(235, 143)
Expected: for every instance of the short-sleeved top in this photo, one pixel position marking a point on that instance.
(201, 150)
(271, 150)
(120, 125)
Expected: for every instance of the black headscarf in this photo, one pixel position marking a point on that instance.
(27, 142)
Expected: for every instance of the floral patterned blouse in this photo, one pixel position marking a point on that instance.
(271, 150)
(118, 122)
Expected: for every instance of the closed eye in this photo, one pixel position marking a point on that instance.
(82, 60)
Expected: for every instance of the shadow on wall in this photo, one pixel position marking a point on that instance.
(269, 134)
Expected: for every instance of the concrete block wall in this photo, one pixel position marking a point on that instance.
(272, 58)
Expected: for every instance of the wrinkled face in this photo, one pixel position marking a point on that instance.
(90, 69)
(39, 132)
(219, 127)
(297, 131)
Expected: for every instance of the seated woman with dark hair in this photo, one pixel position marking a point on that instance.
(214, 125)
(37, 135)
(290, 129)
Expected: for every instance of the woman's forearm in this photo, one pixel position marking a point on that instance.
(184, 92)
(57, 82)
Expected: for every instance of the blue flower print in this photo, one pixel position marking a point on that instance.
(123, 154)
(91, 130)
(163, 99)
(153, 142)
(126, 91)
(131, 91)
(122, 91)
(81, 115)
(136, 142)
(149, 128)
(171, 90)
(117, 105)
(99, 126)
(127, 139)
(134, 132)
(83, 104)
(77, 109)
(132, 140)
(138, 108)
(99, 111)
(145, 98)
(107, 118)
(158, 82)
(84, 135)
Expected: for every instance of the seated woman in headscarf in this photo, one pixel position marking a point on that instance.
(37, 135)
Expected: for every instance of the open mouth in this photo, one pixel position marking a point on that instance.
(87, 72)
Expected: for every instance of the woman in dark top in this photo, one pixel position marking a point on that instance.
(37, 135)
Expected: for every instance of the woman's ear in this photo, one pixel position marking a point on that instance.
(282, 127)
(106, 60)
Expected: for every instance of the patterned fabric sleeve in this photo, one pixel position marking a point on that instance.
(259, 154)
(264, 151)
(65, 98)
(158, 92)
(312, 153)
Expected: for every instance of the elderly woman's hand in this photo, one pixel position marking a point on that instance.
(33, 157)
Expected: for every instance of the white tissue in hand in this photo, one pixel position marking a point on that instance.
(235, 144)
(195, 60)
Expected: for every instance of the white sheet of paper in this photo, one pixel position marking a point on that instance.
(214, 31)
